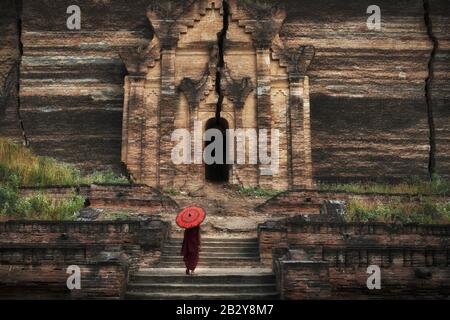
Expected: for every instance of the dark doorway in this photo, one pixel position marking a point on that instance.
(217, 172)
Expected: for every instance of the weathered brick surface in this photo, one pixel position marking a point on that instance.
(304, 280)
(34, 256)
(368, 111)
(362, 124)
(9, 71)
(310, 201)
(148, 233)
(40, 273)
(298, 233)
(325, 260)
(126, 195)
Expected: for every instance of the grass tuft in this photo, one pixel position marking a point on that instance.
(437, 186)
(257, 192)
(32, 170)
(428, 212)
(20, 167)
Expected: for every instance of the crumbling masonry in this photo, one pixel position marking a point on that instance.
(171, 83)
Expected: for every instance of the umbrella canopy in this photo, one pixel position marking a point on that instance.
(190, 217)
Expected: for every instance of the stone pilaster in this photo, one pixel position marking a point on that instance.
(136, 124)
(168, 104)
(264, 110)
(308, 172)
(150, 143)
(197, 171)
(238, 169)
(296, 154)
(124, 149)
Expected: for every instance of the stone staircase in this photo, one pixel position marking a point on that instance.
(215, 253)
(228, 269)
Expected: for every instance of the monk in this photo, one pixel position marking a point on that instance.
(191, 248)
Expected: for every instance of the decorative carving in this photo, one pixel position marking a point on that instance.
(237, 90)
(264, 33)
(169, 18)
(297, 60)
(138, 60)
(267, 18)
(196, 90)
(261, 9)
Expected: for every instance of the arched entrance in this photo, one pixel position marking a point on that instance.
(217, 172)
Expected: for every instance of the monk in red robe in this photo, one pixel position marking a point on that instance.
(191, 248)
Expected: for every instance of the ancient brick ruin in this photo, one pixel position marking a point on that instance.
(349, 103)
(35, 256)
(310, 260)
(329, 260)
(210, 60)
(368, 109)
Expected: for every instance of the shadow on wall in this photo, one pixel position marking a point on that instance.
(369, 139)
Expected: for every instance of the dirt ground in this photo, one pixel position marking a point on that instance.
(229, 213)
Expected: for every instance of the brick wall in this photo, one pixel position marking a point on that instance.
(368, 110)
(40, 273)
(326, 260)
(34, 256)
(104, 195)
(310, 201)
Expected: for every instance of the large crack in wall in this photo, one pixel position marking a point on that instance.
(18, 64)
(428, 89)
(222, 36)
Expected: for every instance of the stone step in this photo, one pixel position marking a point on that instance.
(220, 240)
(208, 283)
(227, 264)
(210, 264)
(237, 255)
(201, 288)
(178, 243)
(205, 252)
(207, 272)
(217, 258)
(200, 278)
(193, 296)
(207, 248)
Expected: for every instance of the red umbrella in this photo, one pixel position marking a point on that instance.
(190, 217)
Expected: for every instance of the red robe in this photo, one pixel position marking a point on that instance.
(191, 247)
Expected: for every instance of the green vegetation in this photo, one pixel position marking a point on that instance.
(427, 212)
(258, 192)
(106, 177)
(35, 207)
(16, 160)
(171, 191)
(116, 215)
(437, 185)
(20, 167)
